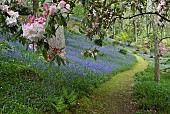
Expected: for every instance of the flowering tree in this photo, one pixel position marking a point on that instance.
(101, 15)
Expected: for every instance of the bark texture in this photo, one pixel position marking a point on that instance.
(156, 53)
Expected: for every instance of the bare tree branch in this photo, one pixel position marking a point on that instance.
(164, 39)
(153, 13)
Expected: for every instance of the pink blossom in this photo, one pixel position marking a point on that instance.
(45, 7)
(61, 4)
(49, 57)
(66, 9)
(82, 53)
(20, 2)
(68, 6)
(159, 18)
(52, 9)
(33, 31)
(55, 50)
(31, 18)
(45, 13)
(62, 51)
(61, 55)
(20, 19)
(28, 24)
(163, 2)
(159, 7)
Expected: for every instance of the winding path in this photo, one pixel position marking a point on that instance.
(115, 96)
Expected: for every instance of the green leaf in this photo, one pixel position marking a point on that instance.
(44, 52)
(58, 60)
(61, 20)
(47, 21)
(27, 45)
(62, 61)
(72, 98)
(81, 30)
(19, 28)
(95, 58)
(60, 106)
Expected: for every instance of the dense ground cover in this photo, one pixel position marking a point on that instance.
(28, 84)
(151, 96)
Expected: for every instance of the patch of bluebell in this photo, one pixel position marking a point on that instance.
(80, 74)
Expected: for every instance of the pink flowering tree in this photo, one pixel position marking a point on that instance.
(101, 15)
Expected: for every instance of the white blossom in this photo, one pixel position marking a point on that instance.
(4, 8)
(11, 21)
(159, 7)
(2, 1)
(13, 14)
(34, 31)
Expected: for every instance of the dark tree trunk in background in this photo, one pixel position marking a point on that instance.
(147, 26)
(156, 53)
(121, 24)
(35, 6)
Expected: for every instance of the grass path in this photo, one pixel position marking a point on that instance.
(114, 96)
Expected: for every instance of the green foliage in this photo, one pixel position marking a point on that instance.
(5, 46)
(167, 42)
(123, 51)
(150, 95)
(123, 37)
(78, 11)
(23, 10)
(115, 43)
(140, 46)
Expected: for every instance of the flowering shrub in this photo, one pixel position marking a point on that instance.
(36, 29)
(163, 49)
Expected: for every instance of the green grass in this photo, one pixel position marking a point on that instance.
(112, 96)
(151, 96)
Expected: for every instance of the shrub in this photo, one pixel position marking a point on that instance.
(123, 37)
(123, 51)
(78, 11)
(150, 95)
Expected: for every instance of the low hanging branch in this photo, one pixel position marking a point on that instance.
(164, 38)
(153, 13)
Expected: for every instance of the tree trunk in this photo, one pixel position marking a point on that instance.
(35, 6)
(147, 26)
(156, 53)
(121, 24)
(135, 30)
